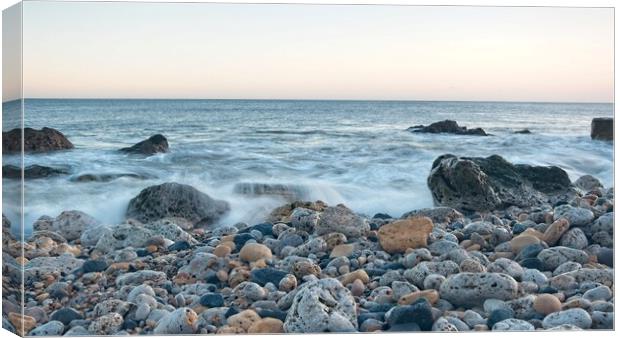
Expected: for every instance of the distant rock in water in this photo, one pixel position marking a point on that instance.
(602, 128)
(46, 139)
(176, 200)
(31, 172)
(106, 177)
(154, 144)
(448, 127)
(523, 131)
(483, 184)
(289, 192)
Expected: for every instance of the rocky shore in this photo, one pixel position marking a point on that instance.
(508, 247)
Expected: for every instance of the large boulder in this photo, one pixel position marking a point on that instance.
(602, 128)
(46, 139)
(447, 126)
(70, 224)
(176, 200)
(322, 305)
(31, 172)
(483, 184)
(154, 144)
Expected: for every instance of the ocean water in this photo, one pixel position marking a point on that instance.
(353, 152)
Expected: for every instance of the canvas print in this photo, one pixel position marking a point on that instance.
(219, 168)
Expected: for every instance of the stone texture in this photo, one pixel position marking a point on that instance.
(401, 235)
(475, 288)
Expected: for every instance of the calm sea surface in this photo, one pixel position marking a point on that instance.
(352, 152)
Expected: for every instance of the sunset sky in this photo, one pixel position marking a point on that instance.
(184, 50)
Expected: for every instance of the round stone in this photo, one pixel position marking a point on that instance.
(546, 304)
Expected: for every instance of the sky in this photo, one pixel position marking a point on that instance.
(185, 50)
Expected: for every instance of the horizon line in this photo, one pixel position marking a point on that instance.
(300, 99)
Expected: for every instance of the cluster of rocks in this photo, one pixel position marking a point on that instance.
(49, 139)
(448, 127)
(311, 267)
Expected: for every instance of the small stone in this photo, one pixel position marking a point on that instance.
(498, 315)
(475, 288)
(252, 252)
(357, 288)
(340, 323)
(211, 300)
(521, 241)
(267, 325)
(432, 296)
(244, 319)
(94, 266)
(66, 315)
(222, 250)
(23, 324)
(574, 238)
(419, 313)
(342, 250)
(398, 236)
(288, 283)
(352, 276)
(555, 231)
(513, 324)
(443, 325)
(602, 292)
(577, 217)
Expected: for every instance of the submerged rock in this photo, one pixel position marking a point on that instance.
(31, 172)
(289, 192)
(46, 139)
(602, 128)
(483, 184)
(449, 127)
(176, 200)
(154, 144)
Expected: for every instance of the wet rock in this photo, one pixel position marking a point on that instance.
(475, 288)
(46, 139)
(267, 275)
(31, 172)
(448, 127)
(180, 321)
(602, 128)
(577, 317)
(341, 219)
(154, 144)
(71, 224)
(176, 200)
(304, 219)
(404, 234)
(481, 184)
(314, 305)
(588, 183)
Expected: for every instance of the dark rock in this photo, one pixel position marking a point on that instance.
(523, 131)
(66, 315)
(483, 184)
(267, 275)
(154, 144)
(264, 228)
(420, 313)
(380, 307)
(530, 251)
(382, 216)
(106, 177)
(92, 265)
(606, 256)
(142, 253)
(406, 327)
(532, 263)
(240, 239)
(547, 289)
(176, 200)
(129, 324)
(31, 172)
(46, 139)
(231, 312)
(447, 126)
(380, 316)
(268, 313)
(179, 246)
(498, 315)
(212, 300)
(602, 128)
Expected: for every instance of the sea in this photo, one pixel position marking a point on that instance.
(358, 153)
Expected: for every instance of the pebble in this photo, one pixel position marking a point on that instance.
(211, 300)
(475, 288)
(512, 324)
(498, 315)
(252, 252)
(546, 304)
(66, 315)
(267, 325)
(404, 234)
(180, 321)
(419, 313)
(106, 325)
(342, 250)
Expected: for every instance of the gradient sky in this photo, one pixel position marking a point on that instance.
(180, 50)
